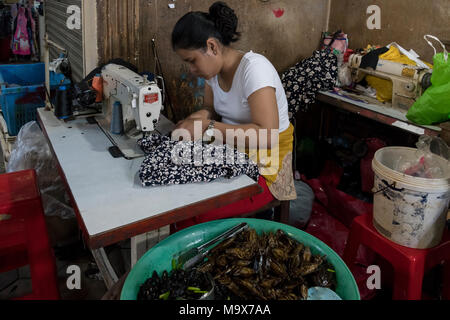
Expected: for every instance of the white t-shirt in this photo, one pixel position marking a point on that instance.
(254, 73)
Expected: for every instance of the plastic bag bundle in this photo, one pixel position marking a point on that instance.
(426, 166)
(31, 151)
(434, 105)
(301, 208)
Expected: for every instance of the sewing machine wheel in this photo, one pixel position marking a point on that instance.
(426, 81)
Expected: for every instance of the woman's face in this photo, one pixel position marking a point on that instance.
(202, 63)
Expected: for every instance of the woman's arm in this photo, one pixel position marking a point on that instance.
(265, 121)
(258, 134)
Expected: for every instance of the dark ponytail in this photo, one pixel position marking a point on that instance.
(195, 28)
(225, 21)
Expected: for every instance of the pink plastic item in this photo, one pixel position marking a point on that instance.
(21, 41)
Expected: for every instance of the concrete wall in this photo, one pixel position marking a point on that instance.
(90, 36)
(402, 21)
(285, 31)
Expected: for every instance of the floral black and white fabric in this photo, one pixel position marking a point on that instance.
(170, 162)
(306, 78)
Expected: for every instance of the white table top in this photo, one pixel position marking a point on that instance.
(108, 191)
(387, 110)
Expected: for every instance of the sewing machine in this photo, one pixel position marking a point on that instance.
(409, 82)
(132, 107)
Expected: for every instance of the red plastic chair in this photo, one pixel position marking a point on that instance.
(23, 234)
(409, 264)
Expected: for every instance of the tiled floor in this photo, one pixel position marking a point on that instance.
(17, 283)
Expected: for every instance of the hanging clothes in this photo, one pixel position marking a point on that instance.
(14, 12)
(21, 39)
(5, 22)
(170, 162)
(31, 26)
(306, 78)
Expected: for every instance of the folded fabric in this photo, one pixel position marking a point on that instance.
(306, 78)
(371, 59)
(411, 55)
(170, 162)
(395, 55)
(384, 88)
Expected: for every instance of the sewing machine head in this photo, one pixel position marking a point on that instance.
(132, 106)
(409, 82)
(141, 99)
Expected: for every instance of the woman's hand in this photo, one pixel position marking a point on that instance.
(190, 129)
(202, 115)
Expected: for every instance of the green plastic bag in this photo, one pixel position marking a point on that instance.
(434, 105)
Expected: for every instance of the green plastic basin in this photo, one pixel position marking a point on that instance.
(159, 258)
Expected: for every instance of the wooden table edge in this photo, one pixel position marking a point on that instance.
(108, 238)
(63, 177)
(369, 114)
(170, 217)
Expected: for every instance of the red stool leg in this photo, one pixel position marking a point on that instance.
(353, 244)
(446, 281)
(26, 230)
(13, 249)
(408, 279)
(40, 255)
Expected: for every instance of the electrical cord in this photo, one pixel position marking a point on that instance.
(158, 70)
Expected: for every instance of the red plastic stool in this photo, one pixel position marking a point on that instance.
(23, 234)
(409, 264)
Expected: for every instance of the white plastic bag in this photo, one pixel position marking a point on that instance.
(31, 151)
(301, 208)
(410, 54)
(344, 76)
(425, 166)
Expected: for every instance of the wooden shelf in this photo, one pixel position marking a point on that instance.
(372, 109)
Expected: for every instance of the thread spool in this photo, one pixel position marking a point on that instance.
(97, 85)
(63, 107)
(117, 119)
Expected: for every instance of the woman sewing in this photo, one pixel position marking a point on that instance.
(243, 92)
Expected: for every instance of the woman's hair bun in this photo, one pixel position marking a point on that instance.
(225, 20)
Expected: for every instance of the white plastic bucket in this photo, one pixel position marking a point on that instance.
(408, 210)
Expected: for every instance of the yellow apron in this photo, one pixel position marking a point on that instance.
(276, 165)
